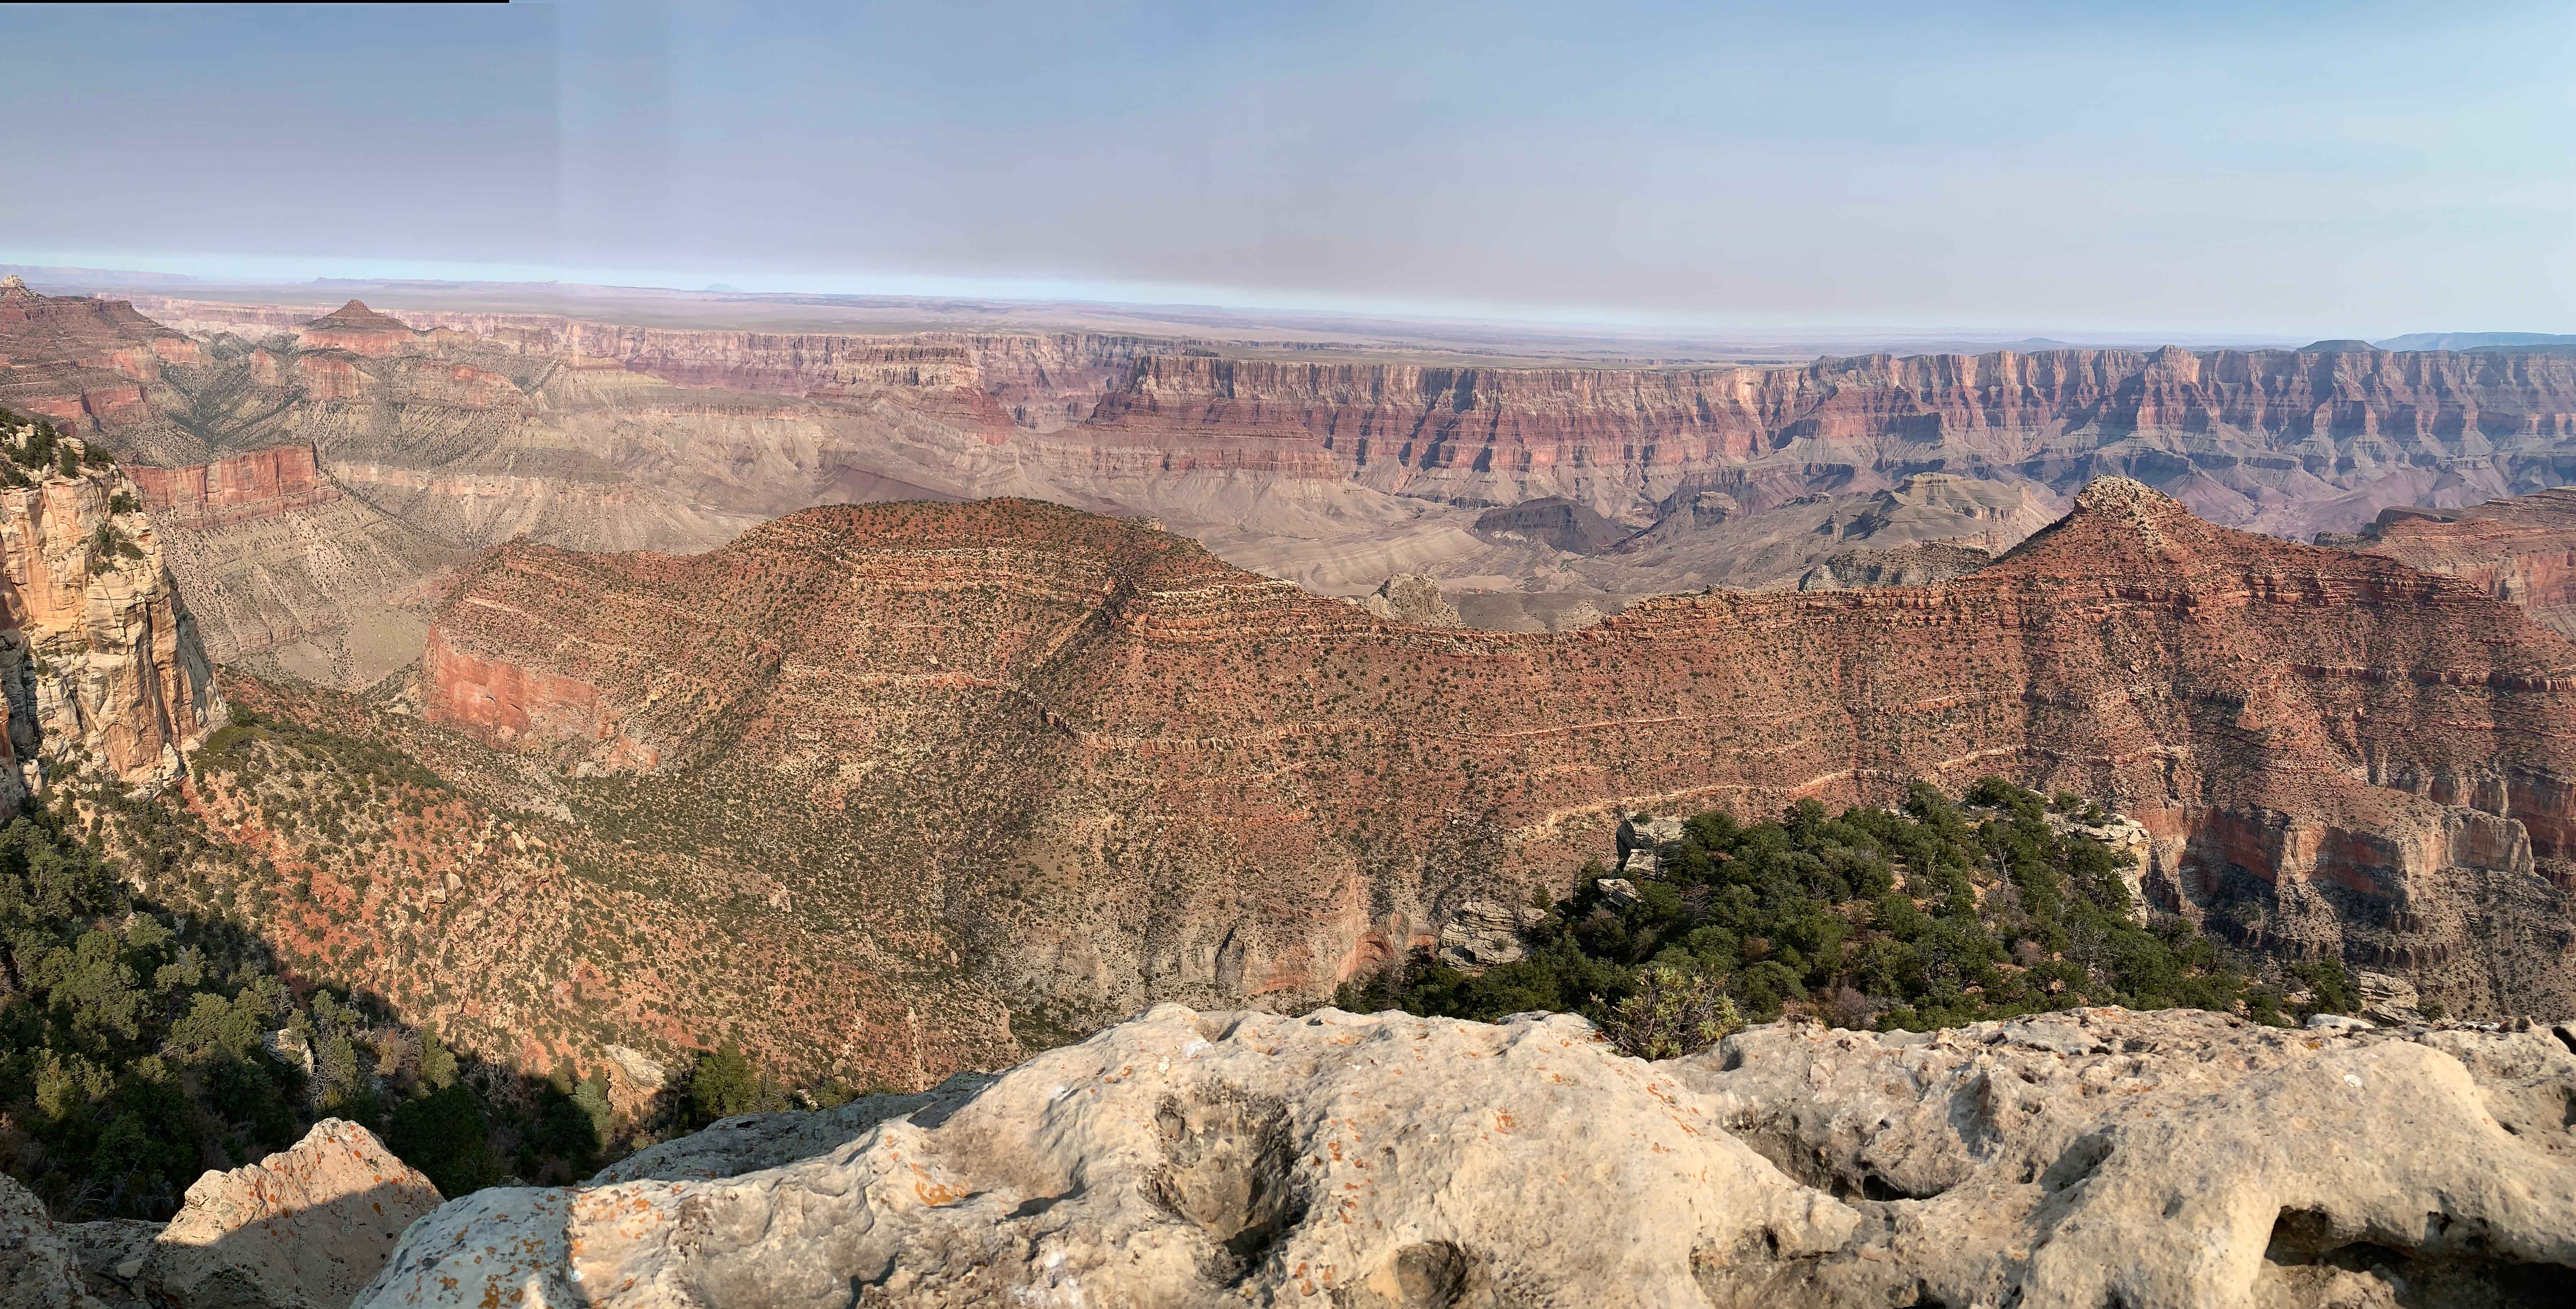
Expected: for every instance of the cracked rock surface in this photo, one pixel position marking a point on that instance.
(2082, 1159)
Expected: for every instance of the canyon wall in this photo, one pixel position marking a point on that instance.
(1116, 769)
(2274, 440)
(100, 664)
(2521, 550)
(452, 432)
(243, 488)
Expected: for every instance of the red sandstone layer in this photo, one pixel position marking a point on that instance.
(1192, 736)
(2521, 550)
(241, 489)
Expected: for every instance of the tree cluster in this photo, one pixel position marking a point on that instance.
(36, 445)
(1930, 915)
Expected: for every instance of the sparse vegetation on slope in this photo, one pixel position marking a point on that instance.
(1932, 915)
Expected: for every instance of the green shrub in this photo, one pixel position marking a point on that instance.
(1671, 1013)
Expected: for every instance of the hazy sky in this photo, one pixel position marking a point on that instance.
(2310, 169)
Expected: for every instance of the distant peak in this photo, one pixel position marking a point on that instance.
(13, 282)
(356, 314)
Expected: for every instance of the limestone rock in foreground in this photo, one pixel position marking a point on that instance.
(1173, 1160)
(2100, 1157)
(751, 1142)
(37, 1267)
(2179, 1158)
(305, 1227)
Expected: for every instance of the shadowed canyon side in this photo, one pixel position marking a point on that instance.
(1111, 768)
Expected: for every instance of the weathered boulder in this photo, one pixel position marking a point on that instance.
(1619, 891)
(1183, 1158)
(639, 1071)
(38, 1269)
(2151, 1159)
(1484, 933)
(1414, 599)
(301, 1229)
(1645, 832)
(2081, 1159)
(2388, 999)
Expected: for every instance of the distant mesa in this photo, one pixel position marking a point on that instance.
(725, 288)
(2338, 347)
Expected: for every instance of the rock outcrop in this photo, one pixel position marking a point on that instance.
(1414, 599)
(2172, 1160)
(99, 656)
(305, 1228)
(1214, 787)
(1921, 564)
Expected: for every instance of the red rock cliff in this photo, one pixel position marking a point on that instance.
(2521, 550)
(241, 489)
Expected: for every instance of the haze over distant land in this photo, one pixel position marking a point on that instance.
(2283, 173)
(1426, 339)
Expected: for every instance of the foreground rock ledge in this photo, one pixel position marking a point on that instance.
(2098, 1157)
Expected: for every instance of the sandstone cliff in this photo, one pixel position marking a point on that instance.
(2154, 1160)
(1113, 769)
(99, 658)
(81, 362)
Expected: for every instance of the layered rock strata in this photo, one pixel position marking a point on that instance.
(2170, 1160)
(1141, 773)
(2275, 440)
(99, 657)
(1338, 473)
(2521, 550)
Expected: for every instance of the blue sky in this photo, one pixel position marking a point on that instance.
(2349, 170)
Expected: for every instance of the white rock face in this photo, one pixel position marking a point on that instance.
(640, 1070)
(1184, 1159)
(301, 1229)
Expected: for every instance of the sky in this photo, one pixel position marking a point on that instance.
(2354, 169)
